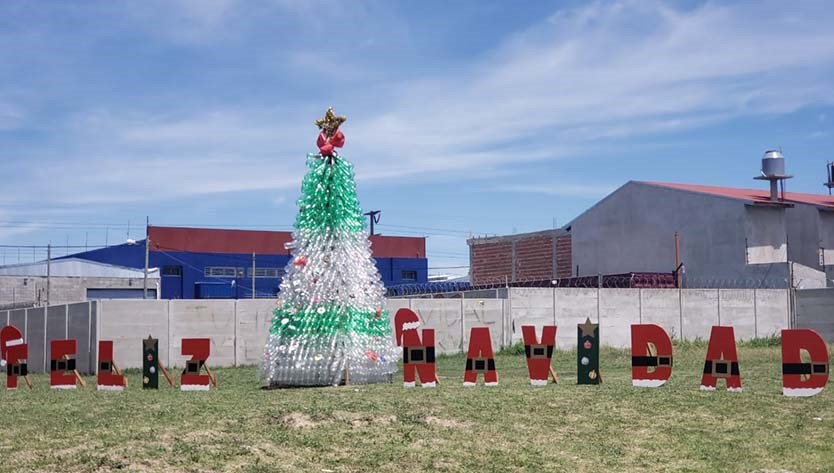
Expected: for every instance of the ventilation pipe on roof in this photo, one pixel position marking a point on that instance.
(773, 170)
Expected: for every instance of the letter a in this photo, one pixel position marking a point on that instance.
(722, 360)
(479, 358)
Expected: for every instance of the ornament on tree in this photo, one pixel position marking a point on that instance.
(330, 136)
(328, 327)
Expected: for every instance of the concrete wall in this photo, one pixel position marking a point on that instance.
(815, 310)
(28, 291)
(43, 324)
(238, 329)
(632, 230)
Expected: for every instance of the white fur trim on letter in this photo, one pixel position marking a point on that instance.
(801, 392)
(411, 325)
(647, 383)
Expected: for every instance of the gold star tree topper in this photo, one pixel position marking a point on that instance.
(331, 122)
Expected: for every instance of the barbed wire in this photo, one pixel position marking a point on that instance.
(481, 285)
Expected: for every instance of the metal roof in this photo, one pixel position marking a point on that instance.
(751, 195)
(75, 267)
(214, 240)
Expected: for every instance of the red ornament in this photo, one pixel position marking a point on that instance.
(327, 144)
(300, 261)
(378, 313)
(372, 355)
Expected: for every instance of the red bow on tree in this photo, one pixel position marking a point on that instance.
(327, 144)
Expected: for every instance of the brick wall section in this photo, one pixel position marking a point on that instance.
(564, 262)
(491, 262)
(534, 258)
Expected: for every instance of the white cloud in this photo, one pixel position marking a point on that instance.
(580, 79)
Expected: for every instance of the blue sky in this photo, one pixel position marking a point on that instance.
(463, 117)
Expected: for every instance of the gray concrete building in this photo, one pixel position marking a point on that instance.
(71, 280)
(728, 237)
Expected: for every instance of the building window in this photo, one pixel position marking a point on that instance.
(172, 270)
(223, 272)
(409, 275)
(273, 273)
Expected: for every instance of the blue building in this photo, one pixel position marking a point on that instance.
(203, 263)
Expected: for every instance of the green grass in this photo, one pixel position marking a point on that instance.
(386, 428)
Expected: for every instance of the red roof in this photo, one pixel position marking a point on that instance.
(212, 240)
(752, 195)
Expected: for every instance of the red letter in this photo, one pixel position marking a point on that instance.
(479, 358)
(62, 373)
(538, 354)
(13, 355)
(418, 354)
(651, 356)
(109, 376)
(191, 379)
(722, 360)
(803, 379)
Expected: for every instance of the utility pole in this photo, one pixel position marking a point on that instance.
(677, 261)
(147, 255)
(48, 270)
(253, 275)
(373, 216)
